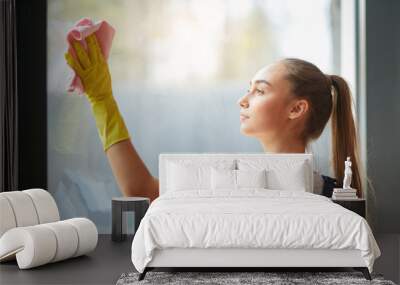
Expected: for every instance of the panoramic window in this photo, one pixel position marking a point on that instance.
(178, 68)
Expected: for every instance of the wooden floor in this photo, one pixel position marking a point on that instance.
(110, 259)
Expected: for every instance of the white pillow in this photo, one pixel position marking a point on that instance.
(251, 178)
(223, 178)
(290, 179)
(282, 174)
(189, 176)
(236, 179)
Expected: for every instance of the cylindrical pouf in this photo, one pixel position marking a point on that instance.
(87, 235)
(40, 244)
(45, 205)
(67, 239)
(33, 245)
(23, 208)
(7, 218)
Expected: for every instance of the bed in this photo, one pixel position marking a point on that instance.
(246, 210)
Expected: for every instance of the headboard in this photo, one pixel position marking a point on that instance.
(166, 157)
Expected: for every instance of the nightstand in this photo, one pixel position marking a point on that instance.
(119, 205)
(357, 206)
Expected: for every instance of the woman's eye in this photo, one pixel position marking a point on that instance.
(257, 90)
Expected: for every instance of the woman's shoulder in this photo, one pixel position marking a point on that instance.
(324, 184)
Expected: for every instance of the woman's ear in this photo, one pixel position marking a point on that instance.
(298, 109)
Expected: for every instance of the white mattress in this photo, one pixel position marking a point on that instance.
(250, 218)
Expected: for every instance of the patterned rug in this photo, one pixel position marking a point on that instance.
(225, 278)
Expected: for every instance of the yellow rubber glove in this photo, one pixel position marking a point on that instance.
(93, 71)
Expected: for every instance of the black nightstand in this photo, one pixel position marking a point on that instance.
(119, 205)
(357, 206)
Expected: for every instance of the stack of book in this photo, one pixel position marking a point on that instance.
(344, 194)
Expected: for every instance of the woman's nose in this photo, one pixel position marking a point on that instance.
(242, 102)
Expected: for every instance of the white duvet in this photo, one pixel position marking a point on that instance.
(250, 218)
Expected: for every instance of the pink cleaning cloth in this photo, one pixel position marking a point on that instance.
(84, 27)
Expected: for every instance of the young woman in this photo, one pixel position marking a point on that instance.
(286, 107)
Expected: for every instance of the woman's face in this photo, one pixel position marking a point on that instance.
(265, 107)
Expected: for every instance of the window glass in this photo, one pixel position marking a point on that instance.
(178, 68)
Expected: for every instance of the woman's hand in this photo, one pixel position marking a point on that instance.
(92, 69)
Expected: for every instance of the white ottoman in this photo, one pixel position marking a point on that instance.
(31, 231)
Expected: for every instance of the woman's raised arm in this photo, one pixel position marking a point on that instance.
(132, 175)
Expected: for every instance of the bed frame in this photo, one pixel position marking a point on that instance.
(248, 259)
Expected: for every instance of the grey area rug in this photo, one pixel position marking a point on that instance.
(225, 278)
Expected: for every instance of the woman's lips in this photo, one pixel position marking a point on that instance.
(242, 118)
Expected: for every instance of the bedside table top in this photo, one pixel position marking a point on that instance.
(352, 200)
(123, 199)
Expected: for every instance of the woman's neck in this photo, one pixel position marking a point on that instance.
(283, 146)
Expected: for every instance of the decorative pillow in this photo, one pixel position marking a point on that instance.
(223, 179)
(236, 179)
(282, 174)
(251, 178)
(189, 176)
(288, 179)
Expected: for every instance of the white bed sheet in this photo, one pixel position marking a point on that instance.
(250, 218)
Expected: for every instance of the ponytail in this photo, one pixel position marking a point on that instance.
(345, 139)
(330, 98)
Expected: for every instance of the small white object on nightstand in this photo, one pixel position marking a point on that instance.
(347, 174)
(345, 193)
